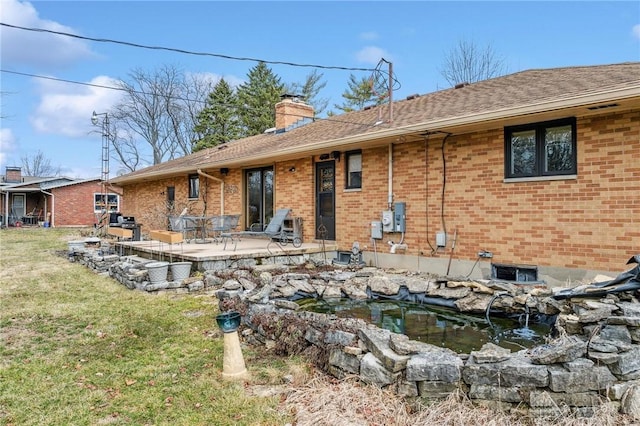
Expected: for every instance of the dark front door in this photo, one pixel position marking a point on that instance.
(325, 200)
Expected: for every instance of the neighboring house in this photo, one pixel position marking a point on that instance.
(54, 201)
(540, 167)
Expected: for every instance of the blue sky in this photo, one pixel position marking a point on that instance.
(54, 117)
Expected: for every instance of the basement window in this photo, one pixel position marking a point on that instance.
(515, 273)
(194, 186)
(541, 149)
(354, 169)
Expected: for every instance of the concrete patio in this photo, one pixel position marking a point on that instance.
(205, 253)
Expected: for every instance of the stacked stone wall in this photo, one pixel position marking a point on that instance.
(593, 360)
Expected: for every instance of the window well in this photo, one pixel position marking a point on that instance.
(524, 274)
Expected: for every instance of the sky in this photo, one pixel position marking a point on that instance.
(40, 113)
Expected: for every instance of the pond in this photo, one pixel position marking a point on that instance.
(440, 326)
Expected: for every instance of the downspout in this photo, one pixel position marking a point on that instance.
(53, 208)
(401, 244)
(201, 173)
(390, 184)
(5, 222)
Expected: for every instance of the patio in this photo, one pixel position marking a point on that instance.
(206, 254)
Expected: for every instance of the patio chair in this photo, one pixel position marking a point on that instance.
(180, 224)
(223, 224)
(33, 217)
(272, 231)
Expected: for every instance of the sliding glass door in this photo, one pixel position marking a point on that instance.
(259, 198)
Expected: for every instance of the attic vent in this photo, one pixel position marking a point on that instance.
(602, 106)
(270, 130)
(413, 96)
(460, 85)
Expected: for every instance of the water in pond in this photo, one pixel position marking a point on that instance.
(437, 325)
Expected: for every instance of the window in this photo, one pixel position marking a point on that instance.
(354, 169)
(194, 186)
(112, 203)
(541, 149)
(171, 197)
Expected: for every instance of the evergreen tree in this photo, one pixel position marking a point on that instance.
(257, 99)
(358, 95)
(309, 91)
(218, 123)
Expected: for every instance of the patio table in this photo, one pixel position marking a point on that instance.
(201, 223)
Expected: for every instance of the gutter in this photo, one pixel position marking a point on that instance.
(201, 173)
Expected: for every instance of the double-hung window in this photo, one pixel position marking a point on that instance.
(541, 149)
(354, 169)
(112, 204)
(194, 186)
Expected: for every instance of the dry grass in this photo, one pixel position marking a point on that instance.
(324, 401)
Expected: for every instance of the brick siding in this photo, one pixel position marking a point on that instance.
(586, 222)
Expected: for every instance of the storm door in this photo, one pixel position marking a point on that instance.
(18, 208)
(259, 192)
(325, 200)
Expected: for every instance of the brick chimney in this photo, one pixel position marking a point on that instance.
(13, 174)
(291, 110)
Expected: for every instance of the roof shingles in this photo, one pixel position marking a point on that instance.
(512, 91)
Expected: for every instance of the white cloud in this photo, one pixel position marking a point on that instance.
(65, 109)
(81, 172)
(22, 47)
(372, 55)
(636, 31)
(7, 145)
(369, 35)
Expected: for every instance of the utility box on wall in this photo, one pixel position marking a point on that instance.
(387, 221)
(376, 230)
(399, 216)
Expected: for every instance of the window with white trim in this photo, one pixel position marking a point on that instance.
(541, 149)
(112, 205)
(354, 169)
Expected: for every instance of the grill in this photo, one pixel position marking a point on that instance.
(126, 222)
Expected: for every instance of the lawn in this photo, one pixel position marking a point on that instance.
(80, 349)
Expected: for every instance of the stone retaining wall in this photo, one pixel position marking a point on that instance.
(595, 359)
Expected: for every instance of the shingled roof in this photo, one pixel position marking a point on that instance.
(457, 110)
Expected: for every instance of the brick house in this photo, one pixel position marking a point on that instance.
(539, 168)
(56, 201)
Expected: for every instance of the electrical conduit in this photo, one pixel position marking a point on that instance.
(208, 176)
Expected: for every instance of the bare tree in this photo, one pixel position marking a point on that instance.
(197, 88)
(155, 121)
(125, 151)
(467, 63)
(38, 165)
